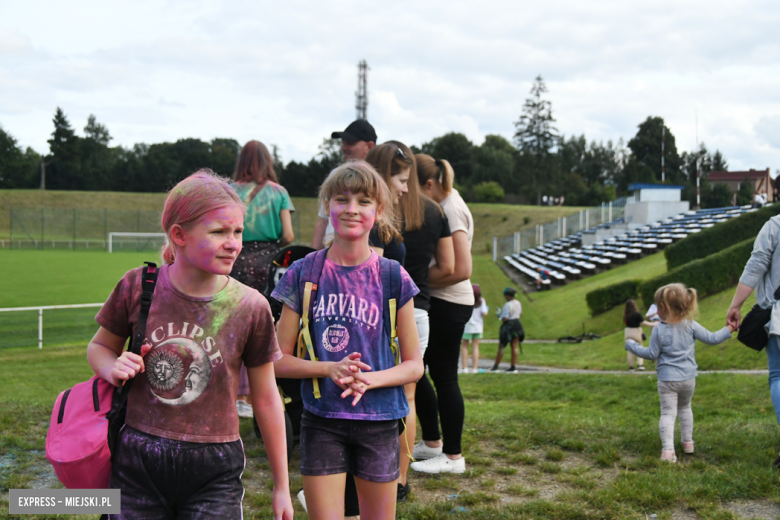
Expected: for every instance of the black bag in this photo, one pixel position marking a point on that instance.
(752, 331)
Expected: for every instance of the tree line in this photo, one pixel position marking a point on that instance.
(536, 163)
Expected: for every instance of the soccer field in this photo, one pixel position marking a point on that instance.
(38, 278)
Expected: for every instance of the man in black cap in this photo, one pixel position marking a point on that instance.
(356, 140)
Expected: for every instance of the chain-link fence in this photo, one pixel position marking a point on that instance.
(60, 228)
(562, 227)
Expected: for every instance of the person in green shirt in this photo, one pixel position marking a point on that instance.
(267, 227)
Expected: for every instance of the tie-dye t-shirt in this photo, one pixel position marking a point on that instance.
(188, 390)
(348, 317)
(262, 221)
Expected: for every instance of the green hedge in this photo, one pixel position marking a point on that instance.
(719, 237)
(708, 275)
(601, 300)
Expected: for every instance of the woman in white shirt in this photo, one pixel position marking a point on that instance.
(473, 331)
(452, 300)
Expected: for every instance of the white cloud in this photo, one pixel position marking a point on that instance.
(285, 72)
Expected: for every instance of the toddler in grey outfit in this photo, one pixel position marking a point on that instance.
(672, 345)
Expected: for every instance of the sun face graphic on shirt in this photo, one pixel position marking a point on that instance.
(167, 371)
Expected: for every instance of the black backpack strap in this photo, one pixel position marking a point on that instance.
(116, 417)
(148, 283)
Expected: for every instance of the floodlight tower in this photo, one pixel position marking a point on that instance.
(361, 96)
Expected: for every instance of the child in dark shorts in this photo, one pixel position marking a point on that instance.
(353, 390)
(179, 454)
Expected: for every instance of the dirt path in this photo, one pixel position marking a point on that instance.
(486, 365)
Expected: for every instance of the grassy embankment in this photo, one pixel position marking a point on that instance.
(490, 219)
(537, 447)
(562, 311)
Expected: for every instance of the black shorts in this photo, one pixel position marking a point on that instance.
(510, 330)
(367, 449)
(167, 479)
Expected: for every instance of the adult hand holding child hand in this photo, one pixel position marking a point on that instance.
(733, 318)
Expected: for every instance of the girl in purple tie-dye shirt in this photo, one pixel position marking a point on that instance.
(353, 425)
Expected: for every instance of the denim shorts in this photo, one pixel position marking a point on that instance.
(367, 449)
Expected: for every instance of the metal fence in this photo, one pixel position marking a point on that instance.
(562, 227)
(62, 228)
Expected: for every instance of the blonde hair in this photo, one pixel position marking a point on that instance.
(439, 170)
(192, 198)
(361, 177)
(679, 301)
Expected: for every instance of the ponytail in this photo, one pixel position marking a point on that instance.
(439, 170)
(680, 302)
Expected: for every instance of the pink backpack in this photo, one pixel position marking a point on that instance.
(87, 418)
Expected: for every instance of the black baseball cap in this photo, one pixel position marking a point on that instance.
(360, 130)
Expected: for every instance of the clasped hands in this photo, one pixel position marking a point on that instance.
(348, 374)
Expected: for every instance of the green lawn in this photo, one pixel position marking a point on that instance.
(582, 447)
(58, 278)
(561, 310)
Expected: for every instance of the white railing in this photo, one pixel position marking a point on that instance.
(46, 308)
(559, 228)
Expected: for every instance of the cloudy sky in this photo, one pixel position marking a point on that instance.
(286, 72)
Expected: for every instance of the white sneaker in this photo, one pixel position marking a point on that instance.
(440, 464)
(302, 500)
(422, 451)
(244, 409)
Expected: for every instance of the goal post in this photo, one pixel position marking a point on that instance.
(147, 238)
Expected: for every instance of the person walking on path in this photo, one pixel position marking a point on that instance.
(473, 331)
(511, 331)
(672, 344)
(356, 141)
(180, 454)
(267, 227)
(451, 305)
(633, 321)
(762, 274)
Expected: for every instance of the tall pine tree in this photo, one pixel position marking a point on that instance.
(535, 137)
(64, 172)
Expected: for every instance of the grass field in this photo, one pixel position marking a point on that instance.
(52, 277)
(537, 446)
